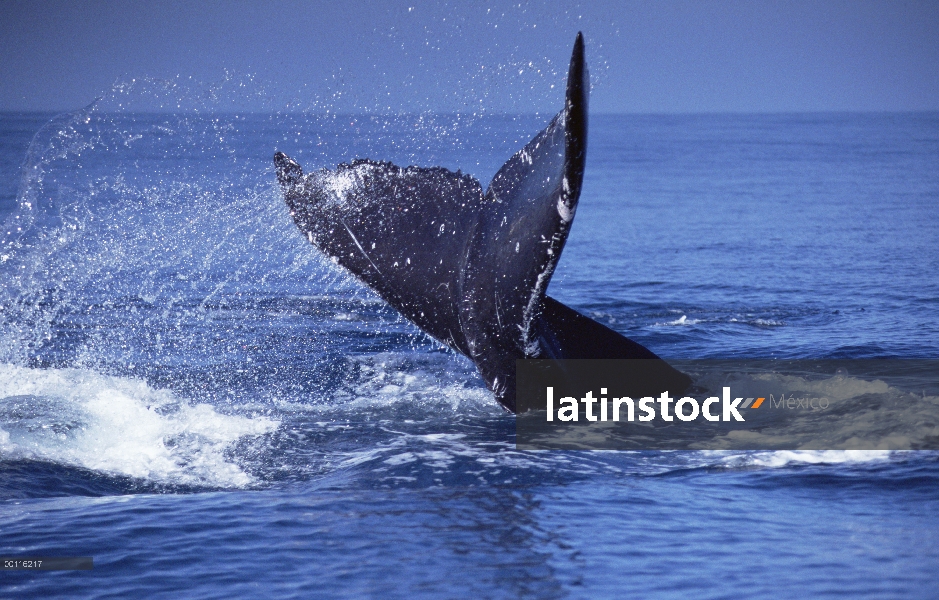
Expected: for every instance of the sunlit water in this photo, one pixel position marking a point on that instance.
(193, 396)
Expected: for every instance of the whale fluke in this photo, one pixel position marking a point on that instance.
(469, 267)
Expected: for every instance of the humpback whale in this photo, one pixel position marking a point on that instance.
(467, 266)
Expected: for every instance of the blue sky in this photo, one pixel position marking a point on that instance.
(645, 57)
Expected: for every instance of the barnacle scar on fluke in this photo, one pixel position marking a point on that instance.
(469, 267)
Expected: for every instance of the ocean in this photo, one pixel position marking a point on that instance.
(194, 397)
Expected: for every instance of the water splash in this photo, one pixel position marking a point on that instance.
(120, 426)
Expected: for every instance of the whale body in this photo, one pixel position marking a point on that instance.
(470, 267)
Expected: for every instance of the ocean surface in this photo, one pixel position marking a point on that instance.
(193, 396)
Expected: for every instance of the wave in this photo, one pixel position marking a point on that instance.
(120, 426)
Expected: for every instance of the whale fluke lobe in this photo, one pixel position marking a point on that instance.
(469, 267)
(288, 171)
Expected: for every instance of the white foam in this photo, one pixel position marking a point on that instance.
(683, 320)
(120, 426)
(782, 458)
(384, 381)
(767, 323)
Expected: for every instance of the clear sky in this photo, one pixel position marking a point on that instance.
(645, 56)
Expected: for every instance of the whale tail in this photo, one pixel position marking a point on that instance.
(469, 267)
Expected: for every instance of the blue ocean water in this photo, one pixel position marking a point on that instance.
(193, 396)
